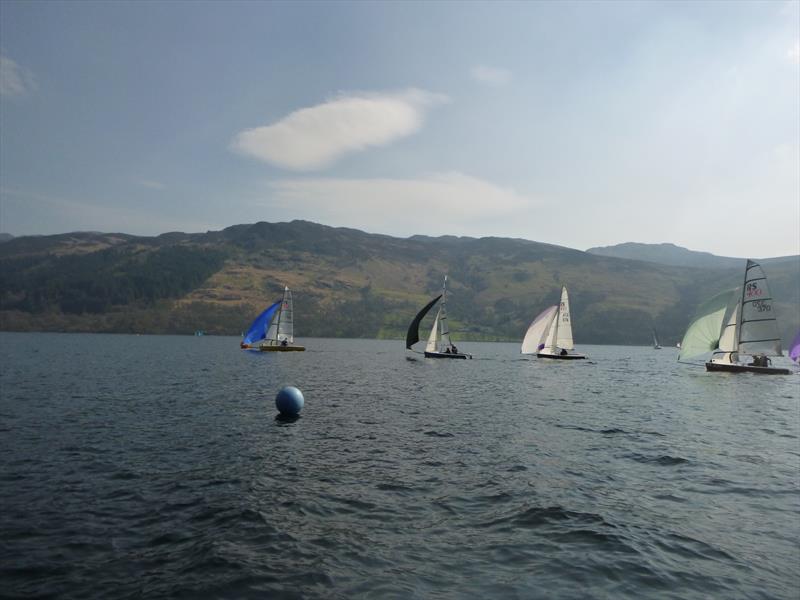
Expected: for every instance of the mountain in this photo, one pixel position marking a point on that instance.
(4, 237)
(348, 283)
(670, 254)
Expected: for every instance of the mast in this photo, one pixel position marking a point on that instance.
(557, 319)
(444, 331)
(280, 314)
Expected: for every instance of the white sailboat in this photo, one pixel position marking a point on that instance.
(656, 345)
(439, 343)
(733, 324)
(280, 333)
(550, 333)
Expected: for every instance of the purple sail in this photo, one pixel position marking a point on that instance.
(794, 348)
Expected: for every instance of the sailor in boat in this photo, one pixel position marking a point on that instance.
(563, 352)
(760, 360)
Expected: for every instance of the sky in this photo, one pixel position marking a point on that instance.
(573, 123)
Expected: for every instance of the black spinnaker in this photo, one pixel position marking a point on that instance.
(412, 336)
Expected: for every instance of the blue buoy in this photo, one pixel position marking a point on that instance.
(289, 401)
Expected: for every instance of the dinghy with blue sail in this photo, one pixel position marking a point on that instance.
(273, 329)
(258, 330)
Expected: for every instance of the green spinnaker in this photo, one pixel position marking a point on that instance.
(703, 333)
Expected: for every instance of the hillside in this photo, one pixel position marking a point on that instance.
(347, 283)
(677, 256)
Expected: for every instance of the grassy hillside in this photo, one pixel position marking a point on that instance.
(351, 284)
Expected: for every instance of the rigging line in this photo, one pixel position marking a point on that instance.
(691, 364)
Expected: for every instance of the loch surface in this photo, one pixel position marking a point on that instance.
(154, 467)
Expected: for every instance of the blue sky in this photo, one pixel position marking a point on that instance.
(579, 124)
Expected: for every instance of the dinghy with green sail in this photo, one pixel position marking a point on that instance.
(734, 325)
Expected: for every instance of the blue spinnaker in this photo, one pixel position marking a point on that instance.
(258, 330)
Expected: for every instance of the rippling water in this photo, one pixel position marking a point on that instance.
(146, 466)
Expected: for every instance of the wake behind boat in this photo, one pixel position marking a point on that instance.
(737, 323)
(550, 333)
(439, 343)
(273, 329)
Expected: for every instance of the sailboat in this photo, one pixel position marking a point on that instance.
(656, 345)
(550, 333)
(736, 323)
(439, 343)
(273, 329)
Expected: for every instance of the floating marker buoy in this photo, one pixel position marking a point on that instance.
(289, 401)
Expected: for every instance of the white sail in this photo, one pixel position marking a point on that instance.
(444, 330)
(281, 328)
(434, 336)
(564, 337)
(758, 329)
(727, 339)
(552, 333)
(286, 322)
(538, 330)
(727, 345)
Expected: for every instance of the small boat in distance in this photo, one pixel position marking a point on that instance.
(550, 333)
(439, 343)
(737, 323)
(273, 329)
(656, 345)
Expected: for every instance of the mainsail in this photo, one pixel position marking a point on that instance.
(564, 337)
(758, 328)
(281, 328)
(258, 330)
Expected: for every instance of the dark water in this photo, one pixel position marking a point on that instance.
(153, 467)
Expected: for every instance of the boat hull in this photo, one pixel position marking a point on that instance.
(733, 368)
(446, 355)
(562, 356)
(282, 348)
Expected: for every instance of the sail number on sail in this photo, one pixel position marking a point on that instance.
(761, 306)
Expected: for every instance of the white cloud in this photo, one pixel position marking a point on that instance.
(793, 53)
(314, 137)
(493, 76)
(444, 203)
(15, 80)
